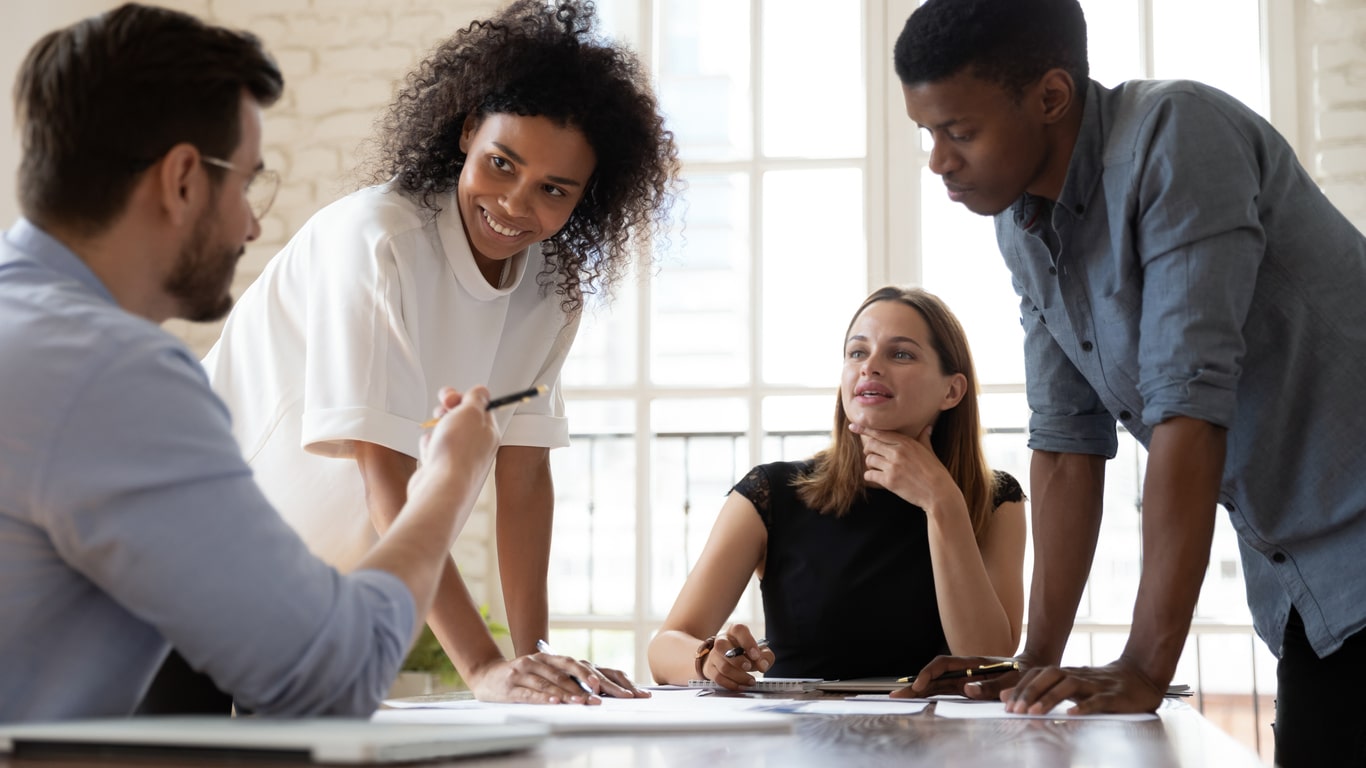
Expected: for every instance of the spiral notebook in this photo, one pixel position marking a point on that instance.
(767, 685)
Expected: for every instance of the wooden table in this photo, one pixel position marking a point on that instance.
(1181, 737)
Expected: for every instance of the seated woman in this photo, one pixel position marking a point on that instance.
(895, 544)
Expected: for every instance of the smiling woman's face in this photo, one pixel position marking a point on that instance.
(891, 378)
(521, 180)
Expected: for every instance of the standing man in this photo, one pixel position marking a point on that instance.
(1178, 271)
(128, 520)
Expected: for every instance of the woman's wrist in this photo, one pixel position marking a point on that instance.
(700, 658)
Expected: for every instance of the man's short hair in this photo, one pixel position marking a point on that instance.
(101, 100)
(1008, 42)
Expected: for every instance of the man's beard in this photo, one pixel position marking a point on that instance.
(203, 274)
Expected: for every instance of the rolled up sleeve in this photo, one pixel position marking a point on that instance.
(1066, 415)
(1201, 245)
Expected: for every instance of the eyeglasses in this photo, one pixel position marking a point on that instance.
(262, 184)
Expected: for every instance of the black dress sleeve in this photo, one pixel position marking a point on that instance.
(755, 487)
(1006, 489)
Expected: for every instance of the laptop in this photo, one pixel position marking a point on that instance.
(318, 740)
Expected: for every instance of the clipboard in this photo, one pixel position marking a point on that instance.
(767, 685)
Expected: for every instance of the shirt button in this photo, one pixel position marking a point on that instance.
(1052, 270)
(1125, 415)
(1279, 557)
(1086, 346)
(1080, 209)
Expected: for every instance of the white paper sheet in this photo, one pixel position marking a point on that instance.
(653, 715)
(965, 710)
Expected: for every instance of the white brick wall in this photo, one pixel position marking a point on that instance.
(1334, 32)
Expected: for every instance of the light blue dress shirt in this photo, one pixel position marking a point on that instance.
(1191, 267)
(129, 522)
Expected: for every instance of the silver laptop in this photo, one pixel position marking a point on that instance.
(319, 740)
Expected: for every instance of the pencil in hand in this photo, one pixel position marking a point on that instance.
(982, 671)
(499, 402)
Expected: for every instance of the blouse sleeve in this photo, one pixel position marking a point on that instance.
(755, 487)
(1005, 489)
(363, 379)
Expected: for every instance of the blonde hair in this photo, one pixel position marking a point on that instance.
(836, 480)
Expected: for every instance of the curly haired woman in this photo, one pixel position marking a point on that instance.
(520, 168)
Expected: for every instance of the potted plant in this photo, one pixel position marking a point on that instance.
(428, 669)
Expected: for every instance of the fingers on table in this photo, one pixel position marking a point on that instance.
(549, 679)
(616, 684)
(1042, 689)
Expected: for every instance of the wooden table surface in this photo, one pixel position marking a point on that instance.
(1181, 737)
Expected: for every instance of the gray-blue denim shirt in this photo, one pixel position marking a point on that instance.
(1196, 269)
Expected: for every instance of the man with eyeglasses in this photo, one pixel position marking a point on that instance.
(129, 522)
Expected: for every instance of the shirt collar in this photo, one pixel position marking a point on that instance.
(461, 258)
(1083, 168)
(27, 242)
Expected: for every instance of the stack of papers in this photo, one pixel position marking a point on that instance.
(665, 711)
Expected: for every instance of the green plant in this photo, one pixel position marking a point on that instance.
(427, 655)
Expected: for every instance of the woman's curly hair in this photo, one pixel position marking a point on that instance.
(546, 60)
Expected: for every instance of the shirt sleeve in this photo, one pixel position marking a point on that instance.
(1066, 414)
(146, 494)
(363, 377)
(541, 421)
(1200, 243)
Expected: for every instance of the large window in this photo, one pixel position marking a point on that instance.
(807, 188)
(727, 352)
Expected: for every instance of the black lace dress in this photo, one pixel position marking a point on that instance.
(851, 596)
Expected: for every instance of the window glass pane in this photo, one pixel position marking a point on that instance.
(815, 272)
(611, 648)
(590, 571)
(1113, 41)
(698, 452)
(604, 352)
(813, 84)
(700, 296)
(963, 266)
(703, 76)
(795, 427)
(803, 413)
(620, 20)
(1182, 45)
(1005, 441)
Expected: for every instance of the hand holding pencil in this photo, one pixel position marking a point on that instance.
(498, 402)
(734, 658)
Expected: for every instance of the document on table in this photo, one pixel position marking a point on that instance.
(996, 710)
(665, 711)
(851, 706)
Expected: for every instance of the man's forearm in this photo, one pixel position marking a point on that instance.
(1065, 508)
(1180, 493)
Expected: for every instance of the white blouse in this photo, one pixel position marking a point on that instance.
(349, 333)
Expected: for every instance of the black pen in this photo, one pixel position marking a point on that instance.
(499, 402)
(982, 671)
(738, 650)
(544, 647)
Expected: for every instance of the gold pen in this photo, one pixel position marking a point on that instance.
(499, 402)
(982, 671)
